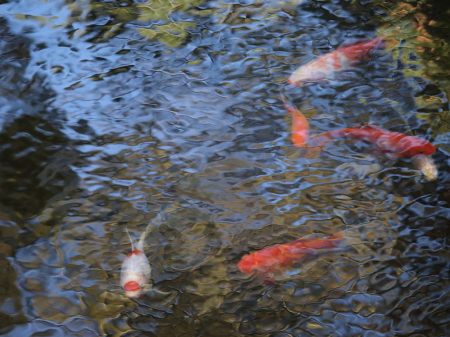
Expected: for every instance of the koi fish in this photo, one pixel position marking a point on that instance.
(326, 66)
(300, 126)
(427, 166)
(136, 270)
(394, 144)
(272, 259)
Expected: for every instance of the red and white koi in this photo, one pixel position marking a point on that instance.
(277, 258)
(326, 66)
(136, 269)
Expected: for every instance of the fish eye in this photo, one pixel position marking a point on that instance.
(419, 151)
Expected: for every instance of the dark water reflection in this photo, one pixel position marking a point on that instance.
(105, 124)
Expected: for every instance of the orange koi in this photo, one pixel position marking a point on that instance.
(300, 126)
(326, 66)
(394, 144)
(275, 258)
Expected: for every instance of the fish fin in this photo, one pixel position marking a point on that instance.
(321, 140)
(131, 240)
(288, 107)
(268, 280)
(151, 226)
(375, 152)
(388, 41)
(394, 155)
(337, 236)
(311, 152)
(372, 126)
(351, 42)
(162, 292)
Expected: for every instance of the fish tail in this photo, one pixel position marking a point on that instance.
(131, 240)
(151, 226)
(316, 145)
(321, 140)
(289, 108)
(311, 245)
(333, 241)
(387, 41)
(337, 239)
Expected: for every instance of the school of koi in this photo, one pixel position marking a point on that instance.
(268, 261)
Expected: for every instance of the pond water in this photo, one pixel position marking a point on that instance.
(115, 112)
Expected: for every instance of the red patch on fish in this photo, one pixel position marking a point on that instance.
(394, 144)
(278, 257)
(131, 286)
(136, 252)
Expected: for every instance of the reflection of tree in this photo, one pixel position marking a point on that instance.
(34, 167)
(169, 21)
(424, 28)
(162, 17)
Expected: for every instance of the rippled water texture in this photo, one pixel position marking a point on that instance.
(114, 112)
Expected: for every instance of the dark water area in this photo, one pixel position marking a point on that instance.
(113, 112)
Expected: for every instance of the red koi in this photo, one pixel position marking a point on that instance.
(394, 144)
(272, 259)
(300, 126)
(326, 66)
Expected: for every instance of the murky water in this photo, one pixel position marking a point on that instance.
(114, 112)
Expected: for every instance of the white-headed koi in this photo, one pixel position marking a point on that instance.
(136, 269)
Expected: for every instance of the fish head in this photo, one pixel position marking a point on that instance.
(305, 75)
(135, 275)
(133, 289)
(412, 146)
(249, 264)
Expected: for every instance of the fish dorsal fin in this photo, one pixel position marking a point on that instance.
(350, 42)
(372, 126)
(356, 42)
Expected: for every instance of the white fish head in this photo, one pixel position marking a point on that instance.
(133, 289)
(300, 77)
(427, 166)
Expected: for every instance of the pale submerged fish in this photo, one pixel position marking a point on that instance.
(427, 166)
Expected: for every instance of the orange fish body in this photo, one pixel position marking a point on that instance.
(393, 144)
(300, 126)
(272, 259)
(326, 66)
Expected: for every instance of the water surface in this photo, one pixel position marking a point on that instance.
(114, 112)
